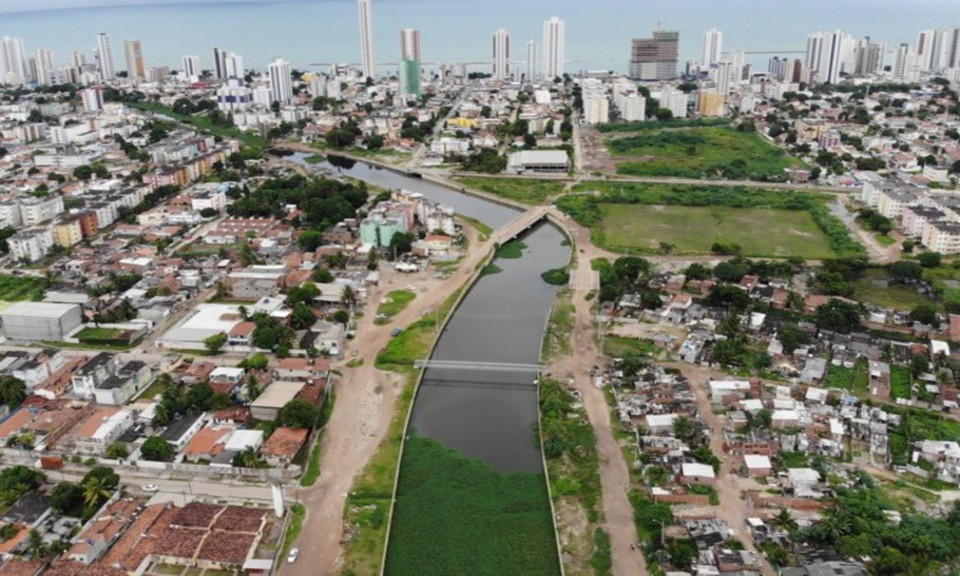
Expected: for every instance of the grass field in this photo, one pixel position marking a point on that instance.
(946, 279)
(693, 229)
(456, 515)
(204, 124)
(393, 304)
(19, 288)
(873, 288)
(525, 190)
(855, 380)
(706, 152)
(900, 382)
(94, 333)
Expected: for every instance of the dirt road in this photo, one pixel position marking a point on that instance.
(732, 508)
(614, 475)
(364, 409)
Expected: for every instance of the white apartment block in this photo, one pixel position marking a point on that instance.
(10, 214)
(675, 101)
(942, 237)
(633, 108)
(30, 245)
(892, 202)
(33, 211)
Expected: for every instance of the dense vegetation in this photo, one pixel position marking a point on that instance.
(322, 202)
(456, 515)
(858, 526)
(669, 123)
(707, 152)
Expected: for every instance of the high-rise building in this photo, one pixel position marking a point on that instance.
(13, 63)
(501, 54)
(869, 57)
(219, 65)
(104, 57)
(655, 58)
(410, 61)
(78, 60)
(952, 48)
(829, 54)
(233, 65)
(281, 85)
(712, 47)
(900, 59)
(366, 38)
(531, 60)
(43, 65)
(133, 54)
(191, 66)
(554, 32)
(92, 99)
(725, 74)
(927, 49)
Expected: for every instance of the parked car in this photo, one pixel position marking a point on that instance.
(292, 556)
(149, 488)
(396, 331)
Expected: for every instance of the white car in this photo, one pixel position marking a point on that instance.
(292, 556)
(149, 488)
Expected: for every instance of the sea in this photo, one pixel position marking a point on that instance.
(312, 34)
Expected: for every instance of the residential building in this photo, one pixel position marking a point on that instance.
(915, 219)
(92, 99)
(191, 67)
(711, 104)
(104, 57)
(30, 245)
(283, 445)
(942, 236)
(40, 321)
(633, 108)
(675, 101)
(531, 74)
(281, 85)
(268, 404)
(133, 55)
(366, 38)
(501, 54)
(829, 54)
(655, 58)
(67, 232)
(410, 62)
(96, 370)
(34, 211)
(712, 47)
(13, 68)
(554, 32)
(892, 202)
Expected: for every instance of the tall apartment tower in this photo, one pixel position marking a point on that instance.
(366, 37)
(712, 47)
(829, 54)
(13, 63)
(531, 60)
(655, 58)
(191, 66)
(501, 54)
(43, 61)
(410, 61)
(219, 66)
(233, 65)
(104, 57)
(281, 86)
(133, 54)
(554, 31)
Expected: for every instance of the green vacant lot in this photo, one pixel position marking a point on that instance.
(18, 288)
(525, 190)
(710, 152)
(456, 515)
(393, 304)
(693, 229)
(875, 287)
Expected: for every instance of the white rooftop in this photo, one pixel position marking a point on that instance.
(696, 469)
(240, 440)
(756, 461)
(277, 394)
(39, 309)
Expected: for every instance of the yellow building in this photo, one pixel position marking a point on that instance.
(67, 233)
(463, 122)
(711, 104)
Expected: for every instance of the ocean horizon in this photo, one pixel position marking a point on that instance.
(312, 34)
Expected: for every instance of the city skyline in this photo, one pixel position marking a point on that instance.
(585, 47)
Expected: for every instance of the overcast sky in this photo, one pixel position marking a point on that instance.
(30, 5)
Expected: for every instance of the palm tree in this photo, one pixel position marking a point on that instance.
(96, 490)
(247, 458)
(348, 296)
(835, 526)
(784, 520)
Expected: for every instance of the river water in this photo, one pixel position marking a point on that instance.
(486, 415)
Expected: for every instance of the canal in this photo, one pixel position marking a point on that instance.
(472, 495)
